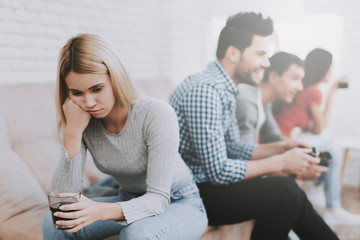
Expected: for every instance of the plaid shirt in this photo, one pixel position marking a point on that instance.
(209, 132)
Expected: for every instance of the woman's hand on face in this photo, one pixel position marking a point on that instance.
(76, 118)
(85, 212)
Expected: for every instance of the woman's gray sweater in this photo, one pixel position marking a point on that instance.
(143, 157)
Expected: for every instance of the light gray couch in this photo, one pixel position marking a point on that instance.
(29, 151)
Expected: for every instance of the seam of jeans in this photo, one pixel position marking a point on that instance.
(164, 230)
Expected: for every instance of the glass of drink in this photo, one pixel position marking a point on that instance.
(57, 198)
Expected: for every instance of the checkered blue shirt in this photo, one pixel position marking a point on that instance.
(209, 132)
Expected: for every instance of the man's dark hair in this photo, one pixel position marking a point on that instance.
(240, 29)
(280, 62)
(317, 64)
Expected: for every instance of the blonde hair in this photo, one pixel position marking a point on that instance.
(88, 53)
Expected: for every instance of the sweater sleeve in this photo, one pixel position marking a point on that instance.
(247, 116)
(68, 174)
(161, 134)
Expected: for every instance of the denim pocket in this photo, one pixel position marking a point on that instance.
(185, 191)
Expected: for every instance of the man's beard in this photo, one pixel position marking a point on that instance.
(243, 77)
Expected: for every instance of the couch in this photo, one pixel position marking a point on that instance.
(29, 152)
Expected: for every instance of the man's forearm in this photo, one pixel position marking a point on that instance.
(265, 166)
(269, 149)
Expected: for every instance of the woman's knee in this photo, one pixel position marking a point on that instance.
(136, 232)
(190, 230)
(139, 231)
(47, 223)
(49, 232)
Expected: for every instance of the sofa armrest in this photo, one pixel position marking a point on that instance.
(23, 202)
(4, 133)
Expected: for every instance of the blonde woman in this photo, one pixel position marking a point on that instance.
(132, 138)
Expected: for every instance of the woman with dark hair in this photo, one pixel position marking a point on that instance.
(317, 64)
(318, 70)
(307, 114)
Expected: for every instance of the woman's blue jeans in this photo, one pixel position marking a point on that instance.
(324, 142)
(185, 218)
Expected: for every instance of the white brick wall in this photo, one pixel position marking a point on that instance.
(32, 33)
(154, 39)
(345, 116)
(166, 39)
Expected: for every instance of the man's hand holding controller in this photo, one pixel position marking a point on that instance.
(325, 157)
(314, 171)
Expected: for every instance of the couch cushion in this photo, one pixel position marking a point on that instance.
(23, 202)
(29, 110)
(4, 134)
(155, 87)
(41, 157)
(28, 126)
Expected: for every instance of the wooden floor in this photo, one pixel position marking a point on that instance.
(350, 201)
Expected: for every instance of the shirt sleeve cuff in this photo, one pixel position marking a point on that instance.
(132, 211)
(247, 150)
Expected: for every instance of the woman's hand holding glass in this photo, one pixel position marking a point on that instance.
(86, 212)
(83, 213)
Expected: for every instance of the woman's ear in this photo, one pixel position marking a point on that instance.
(233, 54)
